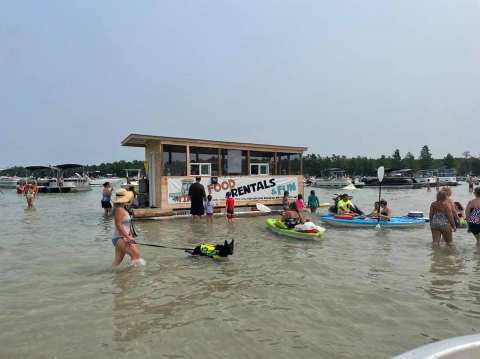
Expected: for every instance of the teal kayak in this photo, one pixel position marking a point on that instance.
(277, 226)
(366, 222)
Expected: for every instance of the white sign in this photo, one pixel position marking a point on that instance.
(241, 188)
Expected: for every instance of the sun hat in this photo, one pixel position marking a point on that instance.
(123, 196)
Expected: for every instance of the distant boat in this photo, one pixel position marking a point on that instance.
(334, 178)
(9, 182)
(395, 179)
(55, 182)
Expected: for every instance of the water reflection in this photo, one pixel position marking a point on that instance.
(446, 264)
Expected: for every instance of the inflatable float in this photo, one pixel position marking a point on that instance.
(366, 222)
(277, 226)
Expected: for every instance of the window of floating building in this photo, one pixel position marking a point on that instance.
(283, 160)
(234, 162)
(295, 164)
(262, 162)
(174, 160)
(202, 157)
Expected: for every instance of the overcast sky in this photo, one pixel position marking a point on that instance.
(347, 77)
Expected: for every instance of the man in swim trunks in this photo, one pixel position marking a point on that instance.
(197, 196)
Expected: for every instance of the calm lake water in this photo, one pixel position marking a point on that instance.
(354, 294)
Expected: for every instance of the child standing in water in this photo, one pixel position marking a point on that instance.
(210, 207)
(285, 203)
(299, 203)
(313, 202)
(230, 205)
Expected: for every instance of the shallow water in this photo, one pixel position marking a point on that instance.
(355, 294)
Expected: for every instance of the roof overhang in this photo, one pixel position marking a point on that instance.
(138, 140)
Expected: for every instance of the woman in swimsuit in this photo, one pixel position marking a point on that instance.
(442, 223)
(472, 213)
(122, 238)
(451, 204)
(29, 195)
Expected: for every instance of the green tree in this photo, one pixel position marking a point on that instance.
(396, 159)
(426, 159)
(449, 161)
(409, 161)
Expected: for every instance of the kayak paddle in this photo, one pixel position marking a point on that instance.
(380, 175)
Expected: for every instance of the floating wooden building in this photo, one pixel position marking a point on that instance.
(252, 173)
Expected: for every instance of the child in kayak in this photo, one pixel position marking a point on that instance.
(299, 203)
(313, 202)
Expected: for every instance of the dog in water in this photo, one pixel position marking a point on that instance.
(214, 250)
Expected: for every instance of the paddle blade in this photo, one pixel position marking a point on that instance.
(262, 208)
(380, 173)
(324, 205)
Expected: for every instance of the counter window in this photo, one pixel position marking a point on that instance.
(266, 161)
(200, 169)
(259, 169)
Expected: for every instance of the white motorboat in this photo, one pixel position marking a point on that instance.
(425, 177)
(55, 182)
(446, 176)
(132, 180)
(9, 182)
(334, 178)
(454, 348)
(99, 181)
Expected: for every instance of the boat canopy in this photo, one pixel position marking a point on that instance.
(68, 166)
(36, 168)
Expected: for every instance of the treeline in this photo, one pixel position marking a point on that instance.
(115, 168)
(316, 165)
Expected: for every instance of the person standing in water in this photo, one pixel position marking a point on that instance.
(313, 202)
(29, 195)
(106, 198)
(442, 222)
(451, 203)
(230, 206)
(197, 196)
(122, 238)
(472, 214)
(210, 207)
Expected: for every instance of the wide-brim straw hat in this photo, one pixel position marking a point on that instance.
(123, 196)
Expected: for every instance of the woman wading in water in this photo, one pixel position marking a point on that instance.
(472, 214)
(122, 238)
(442, 222)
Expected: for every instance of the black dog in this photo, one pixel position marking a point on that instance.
(214, 250)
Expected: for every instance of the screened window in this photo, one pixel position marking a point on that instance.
(295, 164)
(174, 160)
(283, 160)
(204, 156)
(234, 162)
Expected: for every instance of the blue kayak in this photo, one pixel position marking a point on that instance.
(366, 222)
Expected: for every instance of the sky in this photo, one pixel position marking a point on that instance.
(344, 77)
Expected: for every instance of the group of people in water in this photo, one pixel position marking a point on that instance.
(29, 190)
(447, 215)
(201, 204)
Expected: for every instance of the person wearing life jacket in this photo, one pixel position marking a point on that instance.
(346, 206)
